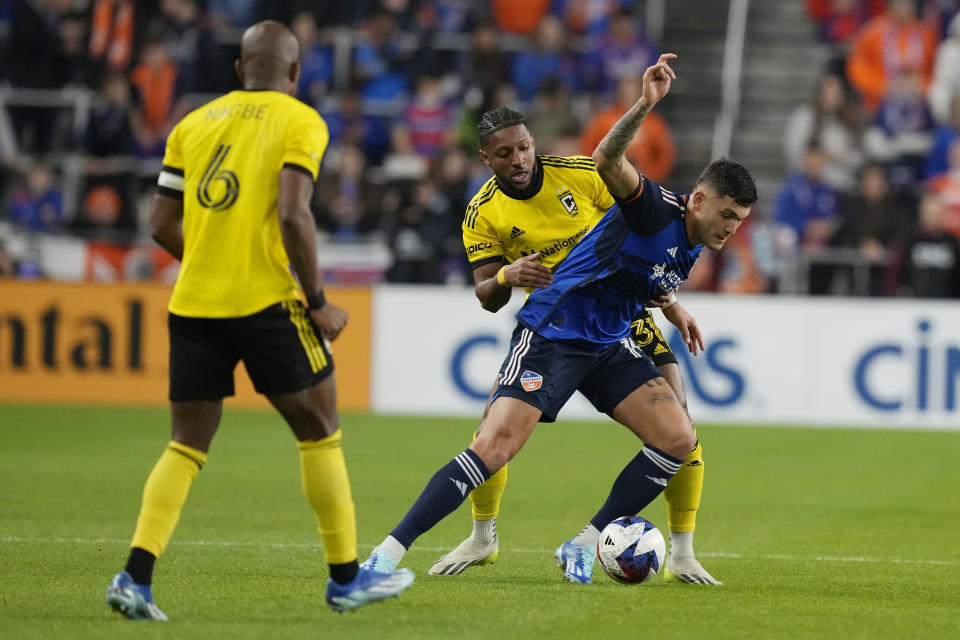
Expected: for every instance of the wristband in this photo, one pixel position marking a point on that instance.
(672, 300)
(316, 301)
(502, 277)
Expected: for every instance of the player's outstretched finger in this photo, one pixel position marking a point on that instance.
(667, 56)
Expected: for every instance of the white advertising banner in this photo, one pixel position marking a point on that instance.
(769, 359)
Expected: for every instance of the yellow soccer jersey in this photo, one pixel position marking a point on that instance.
(570, 201)
(224, 159)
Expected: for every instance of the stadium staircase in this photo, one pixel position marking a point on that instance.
(781, 63)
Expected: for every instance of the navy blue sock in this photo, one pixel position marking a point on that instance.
(445, 491)
(642, 480)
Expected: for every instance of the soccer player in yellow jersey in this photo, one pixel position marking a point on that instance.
(521, 224)
(233, 206)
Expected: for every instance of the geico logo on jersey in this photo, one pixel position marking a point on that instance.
(531, 381)
(480, 246)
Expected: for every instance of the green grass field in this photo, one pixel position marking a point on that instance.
(816, 532)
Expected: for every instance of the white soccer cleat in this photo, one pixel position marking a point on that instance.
(686, 569)
(468, 553)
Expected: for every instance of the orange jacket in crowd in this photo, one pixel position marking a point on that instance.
(651, 151)
(882, 49)
(519, 16)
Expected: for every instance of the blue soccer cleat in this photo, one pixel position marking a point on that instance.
(379, 561)
(369, 586)
(134, 601)
(576, 561)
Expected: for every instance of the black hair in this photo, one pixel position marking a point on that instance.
(497, 119)
(732, 179)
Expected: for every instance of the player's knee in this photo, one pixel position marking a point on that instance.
(679, 441)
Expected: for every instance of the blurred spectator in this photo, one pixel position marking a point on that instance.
(104, 215)
(945, 85)
(520, 16)
(428, 122)
(112, 33)
(872, 222)
(346, 199)
(38, 205)
(411, 234)
(888, 46)
(902, 133)
(233, 13)
(547, 58)
(350, 126)
(155, 80)
(108, 130)
(44, 50)
(622, 52)
(806, 205)
(652, 151)
(928, 263)
(316, 60)
(8, 266)
(589, 17)
(379, 60)
(938, 158)
(484, 65)
(947, 186)
(551, 115)
(830, 120)
(839, 20)
(183, 28)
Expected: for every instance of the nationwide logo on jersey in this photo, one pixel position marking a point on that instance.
(516, 233)
(565, 196)
(531, 381)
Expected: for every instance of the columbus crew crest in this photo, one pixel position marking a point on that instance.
(565, 197)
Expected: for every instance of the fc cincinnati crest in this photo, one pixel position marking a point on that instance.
(566, 199)
(531, 381)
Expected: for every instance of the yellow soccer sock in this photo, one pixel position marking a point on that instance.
(164, 494)
(683, 493)
(485, 499)
(323, 472)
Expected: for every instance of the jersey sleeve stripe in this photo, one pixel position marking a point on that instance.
(300, 168)
(482, 261)
(564, 165)
(168, 169)
(171, 180)
(473, 210)
(170, 193)
(635, 195)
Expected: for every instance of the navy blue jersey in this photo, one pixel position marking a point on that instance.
(638, 251)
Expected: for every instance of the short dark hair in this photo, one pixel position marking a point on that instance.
(497, 119)
(732, 179)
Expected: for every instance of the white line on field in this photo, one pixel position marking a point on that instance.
(544, 551)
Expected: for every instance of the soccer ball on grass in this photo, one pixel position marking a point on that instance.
(631, 549)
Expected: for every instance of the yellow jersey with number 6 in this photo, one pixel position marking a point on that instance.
(224, 160)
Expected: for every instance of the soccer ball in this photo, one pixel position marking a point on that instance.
(631, 550)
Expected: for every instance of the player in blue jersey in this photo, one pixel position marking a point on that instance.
(574, 335)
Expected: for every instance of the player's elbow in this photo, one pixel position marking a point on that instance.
(600, 159)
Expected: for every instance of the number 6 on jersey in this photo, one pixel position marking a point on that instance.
(212, 174)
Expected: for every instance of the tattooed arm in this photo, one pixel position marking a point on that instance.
(616, 171)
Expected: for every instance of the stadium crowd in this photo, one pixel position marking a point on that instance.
(873, 158)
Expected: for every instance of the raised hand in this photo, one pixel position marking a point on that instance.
(657, 79)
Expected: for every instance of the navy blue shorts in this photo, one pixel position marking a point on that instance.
(545, 373)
